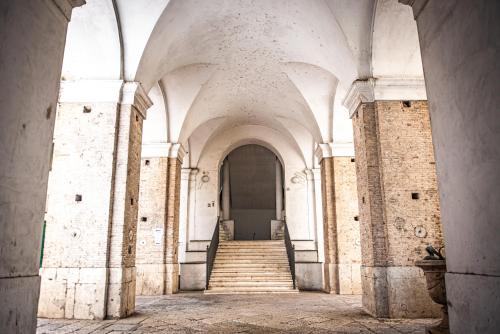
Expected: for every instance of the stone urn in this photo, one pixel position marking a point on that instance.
(434, 271)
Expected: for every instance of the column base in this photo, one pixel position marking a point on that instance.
(150, 279)
(331, 276)
(18, 304)
(473, 303)
(397, 292)
(171, 278)
(121, 292)
(73, 293)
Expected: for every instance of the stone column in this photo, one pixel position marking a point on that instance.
(34, 31)
(89, 260)
(461, 69)
(184, 212)
(192, 205)
(311, 203)
(397, 194)
(331, 271)
(150, 248)
(279, 191)
(226, 192)
(176, 156)
(319, 213)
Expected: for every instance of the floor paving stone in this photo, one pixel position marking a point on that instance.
(306, 312)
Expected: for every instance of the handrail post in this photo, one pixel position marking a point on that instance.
(211, 252)
(290, 250)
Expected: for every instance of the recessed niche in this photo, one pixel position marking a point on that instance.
(353, 160)
(363, 200)
(147, 162)
(356, 218)
(131, 201)
(407, 104)
(144, 219)
(78, 198)
(86, 109)
(415, 195)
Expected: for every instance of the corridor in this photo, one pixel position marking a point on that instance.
(306, 312)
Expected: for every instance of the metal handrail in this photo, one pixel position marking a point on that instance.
(290, 251)
(211, 251)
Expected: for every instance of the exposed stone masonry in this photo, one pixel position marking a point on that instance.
(399, 205)
(329, 226)
(150, 260)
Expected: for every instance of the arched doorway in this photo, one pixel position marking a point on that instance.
(252, 191)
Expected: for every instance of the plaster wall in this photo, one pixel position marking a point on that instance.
(33, 36)
(460, 50)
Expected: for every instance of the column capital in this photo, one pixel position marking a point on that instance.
(309, 174)
(163, 150)
(335, 149)
(176, 150)
(134, 94)
(361, 91)
(323, 150)
(416, 5)
(66, 6)
(105, 91)
(384, 89)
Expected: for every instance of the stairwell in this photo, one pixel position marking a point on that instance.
(253, 266)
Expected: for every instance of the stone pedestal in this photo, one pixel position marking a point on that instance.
(434, 271)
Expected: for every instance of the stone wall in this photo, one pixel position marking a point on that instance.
(74, 270)
(399, 205)
(88, 268)
(348, 235)
(150, 260)
(331, 271)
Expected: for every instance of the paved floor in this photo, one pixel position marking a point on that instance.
(197, 313)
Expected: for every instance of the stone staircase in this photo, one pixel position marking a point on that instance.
(254, 266)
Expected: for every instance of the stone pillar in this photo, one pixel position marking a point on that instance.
(89, 259)
(331, 270)
(319, 213)
(460, 52)
(226, 192)
(150, 248)
(172, 223)
(397, 194)
(192, 205)
(184, 212)
(34, 31)
(311, 203)
(279, 191)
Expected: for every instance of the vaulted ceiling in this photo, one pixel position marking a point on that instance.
(213, 66)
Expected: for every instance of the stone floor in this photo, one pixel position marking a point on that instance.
(280, 313)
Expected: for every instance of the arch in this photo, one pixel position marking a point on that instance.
(93, 43)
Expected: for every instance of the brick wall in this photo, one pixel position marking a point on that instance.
(394, 159)
(150, 259)
(348, 235)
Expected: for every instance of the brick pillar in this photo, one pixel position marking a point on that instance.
(172, 222)
(331, 270)
(398, 204)
(125, 198)
(150, 255)
(88, 269)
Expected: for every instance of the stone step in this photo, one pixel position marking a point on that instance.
(247, 290)
(250, 279)
(246, 266)
(280, 285)
(251, 260)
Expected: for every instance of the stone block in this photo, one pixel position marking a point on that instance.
(193, 276)
(309, 276)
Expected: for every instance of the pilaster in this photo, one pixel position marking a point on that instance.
(398, 205)
(331, 270)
